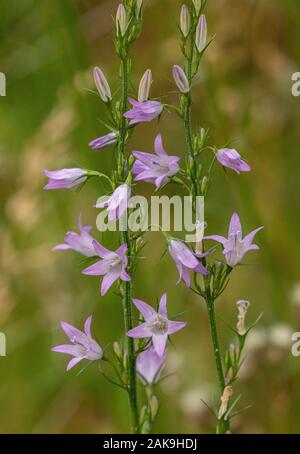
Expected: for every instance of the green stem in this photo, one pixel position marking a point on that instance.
(224, 425)
(127, 305)
(127, 308)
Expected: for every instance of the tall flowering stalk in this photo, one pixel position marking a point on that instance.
(142, 353)
(210, 285)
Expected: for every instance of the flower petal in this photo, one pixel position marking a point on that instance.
(235, 225)
(163, 306)
(173, 327)
(145, 309)
(159, 344)
(140, 331)
(108, 281)
(73, 363)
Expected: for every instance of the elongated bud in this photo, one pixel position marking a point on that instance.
(185, 20)
(201, 33)
(143, 414)
(153, 407)
(117, 350)
(242, 307)
(197, 5)
(139, 5)
(181, 79)
(204, 185)
(102, 85)
(227, 394)
(145, 85)
(121, 19)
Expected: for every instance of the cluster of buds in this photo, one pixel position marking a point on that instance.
(128, 25)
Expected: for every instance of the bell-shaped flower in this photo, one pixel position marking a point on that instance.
(156, 326)
(112, 266)
(82, 345)
(143, 111)
(235, 246)
(117, 203)
(230, 158)
(149, 365)
(65, 178)
(186, 261)
(80, 242)
(155, 168)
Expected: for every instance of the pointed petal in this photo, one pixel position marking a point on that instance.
(101, 250)
(73, 363)
(145, 309)
(74, 334)
(158, 146)
(163, 305)
(201, 269)
(235, 225)
(139, 332)
(124, 276)
(87, 326)
(186, 276)
(250, 237)
(97, 269)
(108, 281)
(175, 326)
(218, 238)
(67, 349)
(61, 247)
(122, 250)
(159, 344)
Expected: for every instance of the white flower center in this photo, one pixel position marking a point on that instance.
(158, 324)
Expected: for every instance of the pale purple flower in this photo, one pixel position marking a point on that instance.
(112, 266)
(80, 242)
(82, 346)
(104, 141)
(230, 158)
(156, 325)
(117, 203)
(149, 365)
(235, 246)
(65, 178)
(155, 168)
(186, 261)
(143, 111)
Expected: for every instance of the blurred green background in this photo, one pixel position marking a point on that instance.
(243, 95)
